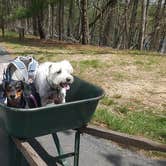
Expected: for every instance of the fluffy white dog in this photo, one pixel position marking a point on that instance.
(52, 81)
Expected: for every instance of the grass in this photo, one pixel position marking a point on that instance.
(141, 123)
(134, 82)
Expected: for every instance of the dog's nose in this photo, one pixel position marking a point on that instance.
(12, 96)
(68, 79)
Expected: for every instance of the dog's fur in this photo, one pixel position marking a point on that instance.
(52, 80)
(13, 92)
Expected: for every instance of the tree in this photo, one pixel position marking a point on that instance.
(132, 23)
(109, 23)
(145, 4)
(84, 22)
(70, 18)
(60, 19)
(2, 16)
(156, 27)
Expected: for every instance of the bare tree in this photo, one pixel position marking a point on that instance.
(84, 22)
(2, 16)
(156, 27)
(109, 24)
(70, 18)
(132, 22)
(143, 22)
(60, 18)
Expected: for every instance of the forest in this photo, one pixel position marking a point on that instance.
(121, 24)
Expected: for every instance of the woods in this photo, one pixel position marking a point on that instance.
(122, 24)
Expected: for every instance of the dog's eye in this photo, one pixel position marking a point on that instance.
(18, 90)
(59, 71)
(9, 87)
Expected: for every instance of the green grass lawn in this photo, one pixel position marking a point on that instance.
(134, 82)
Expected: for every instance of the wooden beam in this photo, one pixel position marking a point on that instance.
(124, 139)
(29, 153)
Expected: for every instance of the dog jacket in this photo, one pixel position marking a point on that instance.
(25, 67)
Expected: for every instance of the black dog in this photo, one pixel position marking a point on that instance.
(13, 92)
(20, 94)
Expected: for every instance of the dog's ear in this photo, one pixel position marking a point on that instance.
(4, 84)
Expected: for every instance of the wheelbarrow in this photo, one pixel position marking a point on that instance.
(81, 102)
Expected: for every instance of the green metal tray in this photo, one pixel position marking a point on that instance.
(82, 100)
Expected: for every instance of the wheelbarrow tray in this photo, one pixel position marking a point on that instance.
(81, 102)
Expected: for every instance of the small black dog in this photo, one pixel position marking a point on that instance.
(20, 94)
(13, 91)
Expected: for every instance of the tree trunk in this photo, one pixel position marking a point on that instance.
(125, 32)
(49, 21)
(104, 9)
(52, 20)
(156, 27)
(34, 22)
(109, 25)
(84, 22)
(70, 18)
(40, 25)
(163, 46)
(3, 27)
(93, 28)
(132, 23)
(60, 19)
(143, 23)
(123, 39)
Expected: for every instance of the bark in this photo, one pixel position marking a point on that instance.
(49, 21)
(125, 36)
(40, 25)
(156, 27)
(2, 17)
(122, 39)
(70, 18)
(34, 23)
(52, 20)
(110, 2)
(109, 25)
(143, 23)
(101, 30)
(3, 27)
(60, 19)
(132, 23)
(163, 46)
(84, 22)
(93, 28)
(77, 28)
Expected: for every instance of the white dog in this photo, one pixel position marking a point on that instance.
(52, 81)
